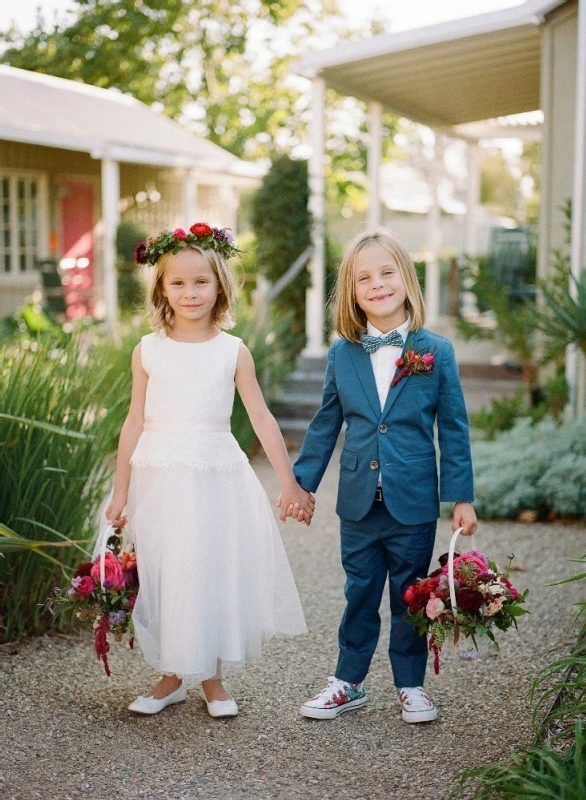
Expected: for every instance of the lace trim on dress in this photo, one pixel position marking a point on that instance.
(201, 451)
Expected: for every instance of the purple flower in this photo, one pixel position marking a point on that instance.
(116, 618)
(71, 592)
(108, 584)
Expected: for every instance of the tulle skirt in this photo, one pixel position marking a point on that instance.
(215, 582)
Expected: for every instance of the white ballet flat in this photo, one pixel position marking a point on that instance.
(151, 705)
(220, 708)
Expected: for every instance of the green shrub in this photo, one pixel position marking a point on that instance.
(60, 411)
(130, 287)
(537, 773)
(502, 414)
(541, 466)
(282, 224)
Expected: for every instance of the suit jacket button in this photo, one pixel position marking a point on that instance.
(382, 429)
(374, 464)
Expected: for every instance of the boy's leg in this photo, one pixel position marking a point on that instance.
(363, 559)
(408, 550)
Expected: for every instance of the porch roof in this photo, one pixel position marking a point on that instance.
(45, 110)
(447, 74)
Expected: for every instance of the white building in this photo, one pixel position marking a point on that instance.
(73, 158)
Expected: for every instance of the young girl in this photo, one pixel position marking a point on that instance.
(214, 578)
(389, 379)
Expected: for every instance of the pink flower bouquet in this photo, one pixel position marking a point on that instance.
(485, 599)
(107, 606)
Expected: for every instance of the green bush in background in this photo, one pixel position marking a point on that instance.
(282, 224)
(532, 466)
(131, 291)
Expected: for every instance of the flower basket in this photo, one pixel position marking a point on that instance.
(463, 601)
(103, 591)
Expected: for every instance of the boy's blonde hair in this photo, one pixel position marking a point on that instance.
(349, 318)
(163, 316)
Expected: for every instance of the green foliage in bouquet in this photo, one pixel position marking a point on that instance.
(541, 466)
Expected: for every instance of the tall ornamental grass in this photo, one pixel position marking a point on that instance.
(62, 403)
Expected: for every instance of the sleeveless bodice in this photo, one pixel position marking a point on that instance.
(188, 403)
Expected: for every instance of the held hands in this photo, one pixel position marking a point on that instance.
(114, 511)
(464, 517)
(295, 502)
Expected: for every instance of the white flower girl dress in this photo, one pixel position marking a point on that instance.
(215, 582)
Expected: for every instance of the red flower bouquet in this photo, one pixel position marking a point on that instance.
(484, 599)
(103, 592)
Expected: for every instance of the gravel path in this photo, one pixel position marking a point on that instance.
(67, 734)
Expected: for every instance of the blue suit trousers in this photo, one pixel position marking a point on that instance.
(373, 548)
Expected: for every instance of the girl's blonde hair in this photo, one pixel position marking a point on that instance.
(349, 318)
(163, 316)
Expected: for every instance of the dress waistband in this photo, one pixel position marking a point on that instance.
(186, 423)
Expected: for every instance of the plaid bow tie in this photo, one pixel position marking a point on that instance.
(372, 343)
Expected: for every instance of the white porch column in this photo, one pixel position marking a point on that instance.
(470, 244)
(315, 299)
(189, 197)
(432, 270)
(110, 220)
(575, 375)
(375, 126)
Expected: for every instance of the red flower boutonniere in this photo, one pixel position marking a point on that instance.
(413, 363)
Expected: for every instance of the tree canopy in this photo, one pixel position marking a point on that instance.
(221, 68)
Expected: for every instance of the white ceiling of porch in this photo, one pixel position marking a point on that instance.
(448, 74)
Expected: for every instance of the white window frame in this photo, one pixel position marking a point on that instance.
(41, 246)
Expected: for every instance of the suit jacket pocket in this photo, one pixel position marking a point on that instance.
(348, 460)
(419, 456)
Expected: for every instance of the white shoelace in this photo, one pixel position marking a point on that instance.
(415, 695)
(334, 687)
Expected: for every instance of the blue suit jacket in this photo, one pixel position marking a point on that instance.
(399, 440)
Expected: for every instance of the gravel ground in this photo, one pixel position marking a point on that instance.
(67, 733)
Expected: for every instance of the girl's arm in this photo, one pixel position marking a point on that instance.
(266, 428)
(129, 436)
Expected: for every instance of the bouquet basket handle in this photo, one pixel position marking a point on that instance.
(106, 533)
(451, 552)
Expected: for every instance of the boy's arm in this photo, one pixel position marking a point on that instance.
(456, 479)
(322, 433)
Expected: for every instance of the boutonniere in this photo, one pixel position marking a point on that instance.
(413, 363)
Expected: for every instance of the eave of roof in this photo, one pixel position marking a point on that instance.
(45, 110)
(448, 74)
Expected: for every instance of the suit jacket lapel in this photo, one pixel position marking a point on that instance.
(414, 341)
(366, 376)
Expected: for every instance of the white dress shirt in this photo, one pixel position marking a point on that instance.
(383, 361)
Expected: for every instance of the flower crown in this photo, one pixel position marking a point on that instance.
(200, 234)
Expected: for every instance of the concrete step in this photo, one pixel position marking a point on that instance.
(298, 405)
(303, 382)
(308, 364)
